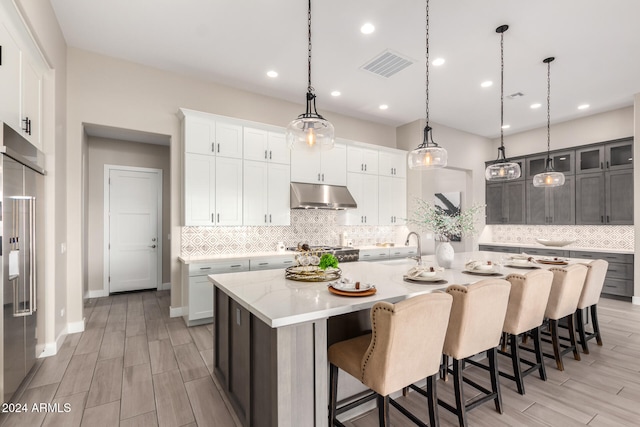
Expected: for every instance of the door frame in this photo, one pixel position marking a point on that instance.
(107, 207)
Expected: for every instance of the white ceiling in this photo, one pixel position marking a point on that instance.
(235, 42)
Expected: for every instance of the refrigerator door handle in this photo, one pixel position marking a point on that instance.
(32, 252)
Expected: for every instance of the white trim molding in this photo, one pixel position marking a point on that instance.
(98, 293)
(75, 327)
(51, 348)
(164, 286)
(176, 311)
(635, 300)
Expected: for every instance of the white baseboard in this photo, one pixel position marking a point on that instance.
(98, 294)
(164, 286)
(51, 348)
(175, 311)
(635, 300)
(75, 327)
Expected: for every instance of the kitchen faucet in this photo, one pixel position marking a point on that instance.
(418, 257)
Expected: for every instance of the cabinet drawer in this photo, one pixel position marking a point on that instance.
(402, 252)
(618, 287)
(620, 258)
(206, 268)
(258, 264)
(546, 252)
(373, 254)
(620, 271)
(503, 249)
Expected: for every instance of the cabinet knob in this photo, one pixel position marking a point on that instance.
(152, 246)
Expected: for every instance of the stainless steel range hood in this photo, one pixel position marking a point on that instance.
(320, 196)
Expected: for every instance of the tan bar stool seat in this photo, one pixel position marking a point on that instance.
(525, 314)
(563, 301)
(475, 326)
(404, 347)
(596, 272)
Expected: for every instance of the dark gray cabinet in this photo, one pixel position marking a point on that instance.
(563, 161)
(610, 156)
(506, 202)
(551, 205)
(619, 278)
(605, 198)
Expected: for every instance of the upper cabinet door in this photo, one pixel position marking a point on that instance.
(199, 186)
(619, 193)
(590, 159)
(279, 194)
(199, 135)
(334, 165)
(393, 163)
(9, 80)
(255, 193)
(228, 140)
(562, 162)
(256, 144)
(619, 155)
(278, 149)
(228, 191)
(31, 102)
(362, 160)
(305, 164)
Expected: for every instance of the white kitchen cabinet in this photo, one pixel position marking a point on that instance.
(364, 189)
(362, 160)
(392, 200)
(271, 263)
(319, 167)
(393, 163)
(9, 80)
(212, 190)
(197, 291)
(374, 254)
(204, 134)
(266, 193)
(267, 146)
(403, 252)
(31, 111)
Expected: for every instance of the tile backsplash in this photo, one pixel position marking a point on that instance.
(313, 226)
(587, 236)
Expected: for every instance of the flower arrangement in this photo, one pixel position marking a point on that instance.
(443, 224)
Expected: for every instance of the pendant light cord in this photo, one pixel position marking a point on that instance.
(309, 88)
(549, 108)
(502, 92)
(427, 68)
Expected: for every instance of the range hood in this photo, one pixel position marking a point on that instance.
(320, 196)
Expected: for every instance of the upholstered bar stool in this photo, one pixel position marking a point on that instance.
(596, 272)
(475, 325)
(403, 347)
(563, 301)
(525, 313)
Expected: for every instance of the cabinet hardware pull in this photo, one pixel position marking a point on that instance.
(236, 265)
(361, 219)
(269, 154)
(269, 218)
(265, 154)
(365, 219)
(218, 217)
(205, 268)
(152, 246)
(212, 220)
(608, 219)
(0, 55)
(601, 218)
(218, 147)
(318, 177)
(362, 166)
(323, 175)
(365, 167)
(607, 164)
(213, 147)
(600, 165)
(263, 263)
(265, 218)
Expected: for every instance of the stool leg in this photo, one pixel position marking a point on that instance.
(503, 341)
(492, 355)
(333, 393)
(596, 326)
(581, 332)
(383, 411)
(457, 388)
(572, 335)
(553, 325)
(537, 345)
(515, 361)
(444, 368)
(432, 401)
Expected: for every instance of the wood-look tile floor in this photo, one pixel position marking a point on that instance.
(135, 366)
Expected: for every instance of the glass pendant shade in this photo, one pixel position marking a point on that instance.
(310, 132)
(427, 158)
(548, 179)
(503, 171)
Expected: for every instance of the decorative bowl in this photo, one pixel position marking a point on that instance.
(557, 243)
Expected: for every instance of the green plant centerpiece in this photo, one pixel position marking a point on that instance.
(444, 225)
(328, 260)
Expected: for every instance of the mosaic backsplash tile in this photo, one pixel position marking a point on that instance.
(588, 236)
(314, 226)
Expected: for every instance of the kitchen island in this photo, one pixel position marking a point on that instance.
(271, 334)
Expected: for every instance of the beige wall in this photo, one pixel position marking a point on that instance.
(102, 152)
(42, 22)
(636, 198)
(466, 155)
(111, 92)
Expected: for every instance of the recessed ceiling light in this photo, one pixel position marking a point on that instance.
(367, 28)
(383, 106)
(488, 83)
(336, 93)
(506, 126)
(438, 61)
(583, 106)
(536, 105)
(272, 74)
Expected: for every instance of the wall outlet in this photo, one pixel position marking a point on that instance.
(62, 313)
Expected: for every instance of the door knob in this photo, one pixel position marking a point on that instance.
(152, 246)
(153, 240)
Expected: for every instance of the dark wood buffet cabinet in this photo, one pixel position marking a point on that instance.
(598, 189)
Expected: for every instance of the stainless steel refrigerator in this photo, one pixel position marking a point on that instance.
(20, 181)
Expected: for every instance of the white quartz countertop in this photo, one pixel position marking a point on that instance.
(280, 302)
(563, 248)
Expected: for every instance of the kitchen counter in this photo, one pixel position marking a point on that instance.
(571, 247)
(277, 332)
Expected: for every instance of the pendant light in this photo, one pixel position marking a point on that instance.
(310, 128)
(548, 178)
(502, 169)
(427, 155)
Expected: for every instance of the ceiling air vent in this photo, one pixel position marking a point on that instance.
(387, 64)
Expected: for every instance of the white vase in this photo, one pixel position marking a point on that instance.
(444, 254)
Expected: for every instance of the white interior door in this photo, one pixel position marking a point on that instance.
(134, 215)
